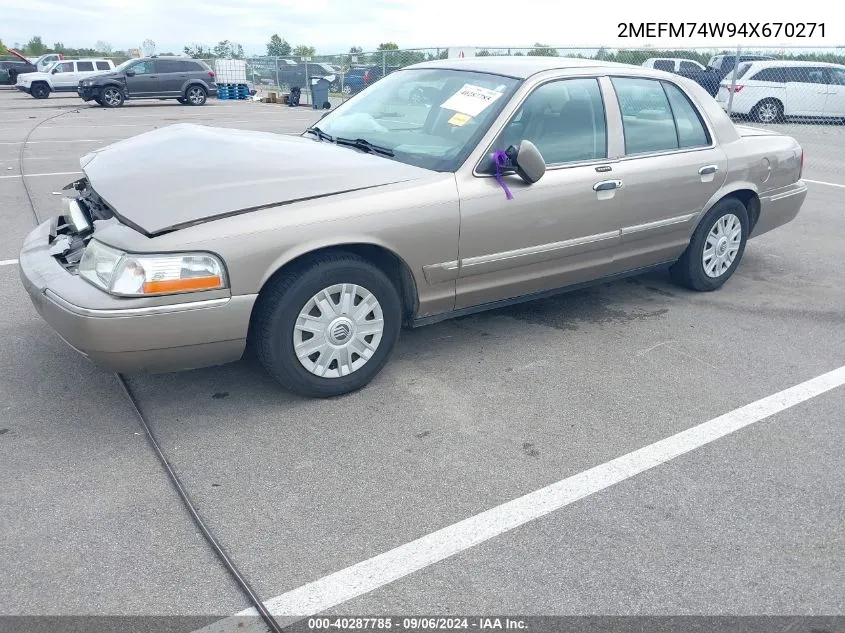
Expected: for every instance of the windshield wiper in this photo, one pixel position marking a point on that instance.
(365, 145)
(319, 133)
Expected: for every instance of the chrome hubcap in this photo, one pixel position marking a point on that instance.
(195, 95)
(111, 97)
(338, 330)
(768, 112)
(722, 245)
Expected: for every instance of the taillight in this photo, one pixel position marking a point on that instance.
(367, 76)
(801, 167)
(211, 75)
(738, 88)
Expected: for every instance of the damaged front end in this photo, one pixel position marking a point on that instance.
(71, 231)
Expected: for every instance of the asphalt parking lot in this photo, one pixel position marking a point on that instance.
(468, 415)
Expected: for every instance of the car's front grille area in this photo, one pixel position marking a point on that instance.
(67, 242)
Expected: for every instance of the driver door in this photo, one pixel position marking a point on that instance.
(558, 231)
(145, 81)
(64, 76)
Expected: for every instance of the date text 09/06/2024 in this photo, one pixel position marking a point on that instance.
(720, 29)
(417, 623)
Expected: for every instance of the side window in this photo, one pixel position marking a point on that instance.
(565, 119)
(168, 66)
(64, 67)
(691, 130)
(103, 66)
(665, 64)
(837, 76)
(805, 75)
(143, 68)
(647, 120)
(191, 67)
(84, 67)
(774, 75)
(687, 66)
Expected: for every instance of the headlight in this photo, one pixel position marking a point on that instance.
(131, 275)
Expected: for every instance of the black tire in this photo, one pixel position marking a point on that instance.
(196, 95)
(182, 100)
(278, 308)
(112, 97)
(39, 90)
(768, 111)
(689, 270)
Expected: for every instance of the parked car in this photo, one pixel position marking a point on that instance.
(673, 65)
(189, 81)
(4, 76)
(62, 76)
(13, 69)
(719, 67)
(359, 77)
(769, 91)
(181, 245)
(299, 74)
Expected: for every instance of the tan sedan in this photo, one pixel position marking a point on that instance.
(446, 188)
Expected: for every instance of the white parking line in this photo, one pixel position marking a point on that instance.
(53, 173)
(76, 140)
(364, 577)
(8, 262)
(822, 182)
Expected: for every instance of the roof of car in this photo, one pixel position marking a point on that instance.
(520, 67)
(771, 63)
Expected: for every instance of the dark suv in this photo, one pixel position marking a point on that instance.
(186, 80)
(15, 68)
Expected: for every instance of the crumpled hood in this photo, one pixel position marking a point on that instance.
(185, 174)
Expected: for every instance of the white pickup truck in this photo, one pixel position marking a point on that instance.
(62, 76)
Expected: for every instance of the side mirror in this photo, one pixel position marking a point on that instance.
(528, 161)
(130, 73)
(55, 70)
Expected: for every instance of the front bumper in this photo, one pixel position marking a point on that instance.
(87, 93)
(22, 88)
(143, 335)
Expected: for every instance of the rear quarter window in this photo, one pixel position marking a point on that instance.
(103, 66)
(83, 67)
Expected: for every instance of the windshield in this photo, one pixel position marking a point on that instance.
(124, 65)
(428, 117)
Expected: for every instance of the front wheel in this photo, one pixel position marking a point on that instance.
(196, 95)
(40, 90)
(329, 328)
(715, 249)
(112, 97)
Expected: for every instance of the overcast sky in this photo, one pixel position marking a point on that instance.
(334, 25)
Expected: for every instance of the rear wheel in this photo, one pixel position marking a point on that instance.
(716, 248)
(328, 328)
(40, 90)
(196, 95)
(112, 97)
(768, 111)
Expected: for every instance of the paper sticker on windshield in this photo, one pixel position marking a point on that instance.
(471, 100)
(459, 119)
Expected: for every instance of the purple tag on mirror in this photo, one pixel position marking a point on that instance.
(501, 160)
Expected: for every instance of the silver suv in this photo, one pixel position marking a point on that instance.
(187, 80)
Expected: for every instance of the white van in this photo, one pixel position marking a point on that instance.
(768, 91)
(672, 64)
(62, 76)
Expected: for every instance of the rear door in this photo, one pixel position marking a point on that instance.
(670, 170)
(172, 75)
(806, 91)
(834, 105)
(144, 82)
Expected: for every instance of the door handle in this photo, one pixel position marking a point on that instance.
(607, 185)
(153, 76)
(708, 169)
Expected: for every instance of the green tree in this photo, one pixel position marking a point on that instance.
(518, 54)
(355, 50)
(542, 50)
(103, 47)
(3, 49)
(277, 47)
(198, 51)
(304, 51)
(35, 46)
(228, 50)
(388, 46)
